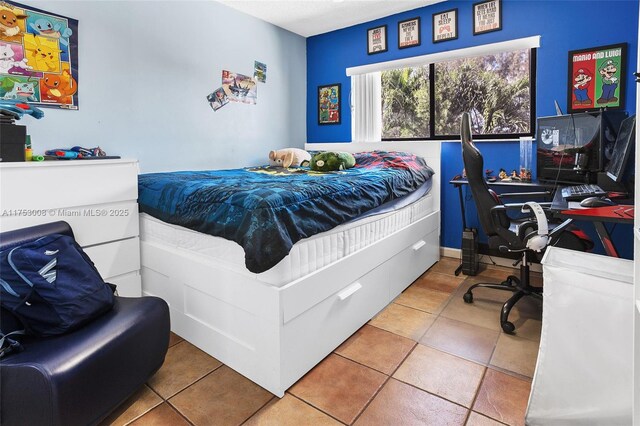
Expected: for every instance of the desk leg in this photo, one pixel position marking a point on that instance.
(464, 222)
(605, 239)
(462, 211)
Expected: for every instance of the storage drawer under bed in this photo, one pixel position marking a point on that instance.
(326, 325)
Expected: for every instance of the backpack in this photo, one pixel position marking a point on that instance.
(51, 286)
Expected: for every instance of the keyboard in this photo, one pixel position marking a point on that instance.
(579, 192)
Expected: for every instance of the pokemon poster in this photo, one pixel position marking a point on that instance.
(596, 78)
(38, 56)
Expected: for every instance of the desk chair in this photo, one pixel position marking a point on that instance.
(528, 236)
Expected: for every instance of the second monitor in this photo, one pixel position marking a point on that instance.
(575, 148)
(622, 150)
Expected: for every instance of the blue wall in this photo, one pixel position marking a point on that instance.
(563, 25)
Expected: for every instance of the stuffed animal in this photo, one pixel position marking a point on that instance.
(329, 161)
(289, 157)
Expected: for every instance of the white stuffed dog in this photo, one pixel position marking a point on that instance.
(289, 157)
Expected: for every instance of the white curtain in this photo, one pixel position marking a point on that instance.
(366, 107)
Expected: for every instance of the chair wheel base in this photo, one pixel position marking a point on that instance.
(468, 297)
(508, 327)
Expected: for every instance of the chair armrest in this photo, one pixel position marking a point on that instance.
(517, 206)
(513, 206)
(514, 241)
(525, 194)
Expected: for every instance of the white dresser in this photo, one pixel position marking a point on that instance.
(98, 198)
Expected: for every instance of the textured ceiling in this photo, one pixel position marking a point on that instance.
(311, 17)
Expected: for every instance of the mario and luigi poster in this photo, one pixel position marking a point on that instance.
(38, 56)
(596, 78)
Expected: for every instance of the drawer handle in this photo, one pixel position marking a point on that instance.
(417, 246)
(349, 291)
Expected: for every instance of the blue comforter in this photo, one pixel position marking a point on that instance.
(268, 209)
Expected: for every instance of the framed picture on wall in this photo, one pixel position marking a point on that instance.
(329, 100)
(445, 26)
(409, 33)
(596, 78)
(487, 16)
(377, 40)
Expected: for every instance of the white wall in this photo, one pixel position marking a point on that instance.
(145, 69)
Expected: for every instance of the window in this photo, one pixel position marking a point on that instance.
(405, 103)
(426, 102)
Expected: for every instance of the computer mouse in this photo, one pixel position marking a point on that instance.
(597, 202)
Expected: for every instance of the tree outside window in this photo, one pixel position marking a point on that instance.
(495, 89)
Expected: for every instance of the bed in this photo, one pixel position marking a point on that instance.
(273, 324)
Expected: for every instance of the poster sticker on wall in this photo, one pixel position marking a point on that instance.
(38, 56)
(596, 78)
(217, 99)
(445, 25)
(377, 40)
(409, 33)
(260, 71)
(239, 88)
(487, 17)
(329, 104)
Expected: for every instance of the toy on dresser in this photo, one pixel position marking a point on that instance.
(289, 157)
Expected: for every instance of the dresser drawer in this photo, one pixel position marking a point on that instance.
(65, 184)
(128, 285)
(91, 225)
(116, 258)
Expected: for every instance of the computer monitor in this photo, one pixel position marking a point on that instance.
(622, 149)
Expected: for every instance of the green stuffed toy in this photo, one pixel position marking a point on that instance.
(329, 161)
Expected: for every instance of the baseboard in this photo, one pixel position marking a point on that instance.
(485, 259)
(450, 252)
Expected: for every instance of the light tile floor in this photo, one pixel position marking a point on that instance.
(426, 359)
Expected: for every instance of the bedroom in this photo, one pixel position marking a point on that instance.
(165, 70)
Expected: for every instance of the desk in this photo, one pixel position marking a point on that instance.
(621, 213)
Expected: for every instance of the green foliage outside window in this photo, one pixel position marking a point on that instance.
(495, 89)
(405, 103)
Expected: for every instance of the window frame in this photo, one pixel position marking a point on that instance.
(491, 137)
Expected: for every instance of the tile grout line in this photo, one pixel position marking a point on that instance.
(383, 384)
(317, 408)
(185, 388)
(188, 386)
(180, 414)
(151, 408)
(260, 408)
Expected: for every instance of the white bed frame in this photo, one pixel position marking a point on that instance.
(274, 335)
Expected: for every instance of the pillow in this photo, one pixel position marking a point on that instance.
(394, 160)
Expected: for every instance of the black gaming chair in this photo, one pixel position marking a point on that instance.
(528, 236)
